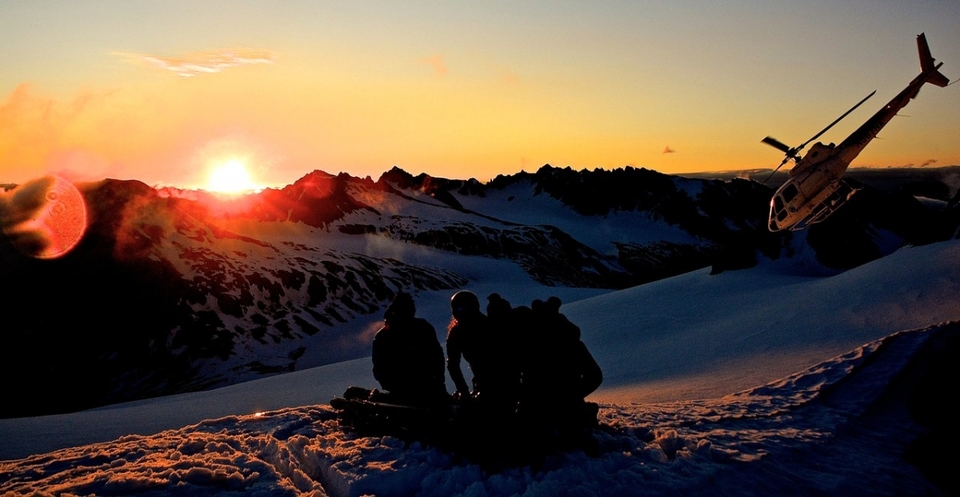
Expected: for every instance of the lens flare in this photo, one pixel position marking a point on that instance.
(45, 218)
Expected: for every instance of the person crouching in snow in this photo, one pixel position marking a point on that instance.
(558, 370)
(473, 336)
(407, 357)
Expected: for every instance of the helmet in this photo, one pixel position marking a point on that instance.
(464, 301)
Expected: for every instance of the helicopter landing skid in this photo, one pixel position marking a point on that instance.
(829, 205)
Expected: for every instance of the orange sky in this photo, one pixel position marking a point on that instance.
(167, 92)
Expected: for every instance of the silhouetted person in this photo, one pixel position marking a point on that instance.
(488, 352)
(407, 357)
(508, 336)
(498, 308)
(558, 370)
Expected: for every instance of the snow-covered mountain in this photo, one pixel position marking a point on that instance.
(749, 382)
(174, 291)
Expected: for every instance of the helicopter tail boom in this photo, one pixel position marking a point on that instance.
(927, 63)
(853, 144)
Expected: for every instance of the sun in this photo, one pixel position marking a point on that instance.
(230, 177)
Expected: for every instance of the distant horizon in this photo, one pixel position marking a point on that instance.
(7, 185)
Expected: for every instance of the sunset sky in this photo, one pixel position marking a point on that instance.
(167, 92)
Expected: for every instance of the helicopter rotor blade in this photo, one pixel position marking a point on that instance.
(824, 130)
(777, 144)
(785, 159)
(794, 153)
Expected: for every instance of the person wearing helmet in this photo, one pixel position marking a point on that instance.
(465, 339)
(407, 357)
(487, 351)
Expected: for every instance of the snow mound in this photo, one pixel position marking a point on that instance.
(839, 427)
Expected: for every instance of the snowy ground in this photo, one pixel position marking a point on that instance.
(699, 399)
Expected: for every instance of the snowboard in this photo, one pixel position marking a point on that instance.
(368, 411)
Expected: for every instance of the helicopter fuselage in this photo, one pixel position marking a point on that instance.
(815, 189)
(812, 182)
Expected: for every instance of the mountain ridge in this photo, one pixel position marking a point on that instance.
(185, 291)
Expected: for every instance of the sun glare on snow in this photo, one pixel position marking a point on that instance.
(230, 177)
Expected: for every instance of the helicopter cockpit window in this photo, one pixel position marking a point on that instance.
(777, 204)
(781, 215)
(789, 193)
(778, 209)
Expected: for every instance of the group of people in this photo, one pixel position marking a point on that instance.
(525, 361)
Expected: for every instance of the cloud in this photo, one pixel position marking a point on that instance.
(928, 162)
(436, 61)
(40, 135)
(204, 62)
(668, 150)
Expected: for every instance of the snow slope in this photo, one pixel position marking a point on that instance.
(700, 397)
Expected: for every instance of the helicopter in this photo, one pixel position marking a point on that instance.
(815, 188)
